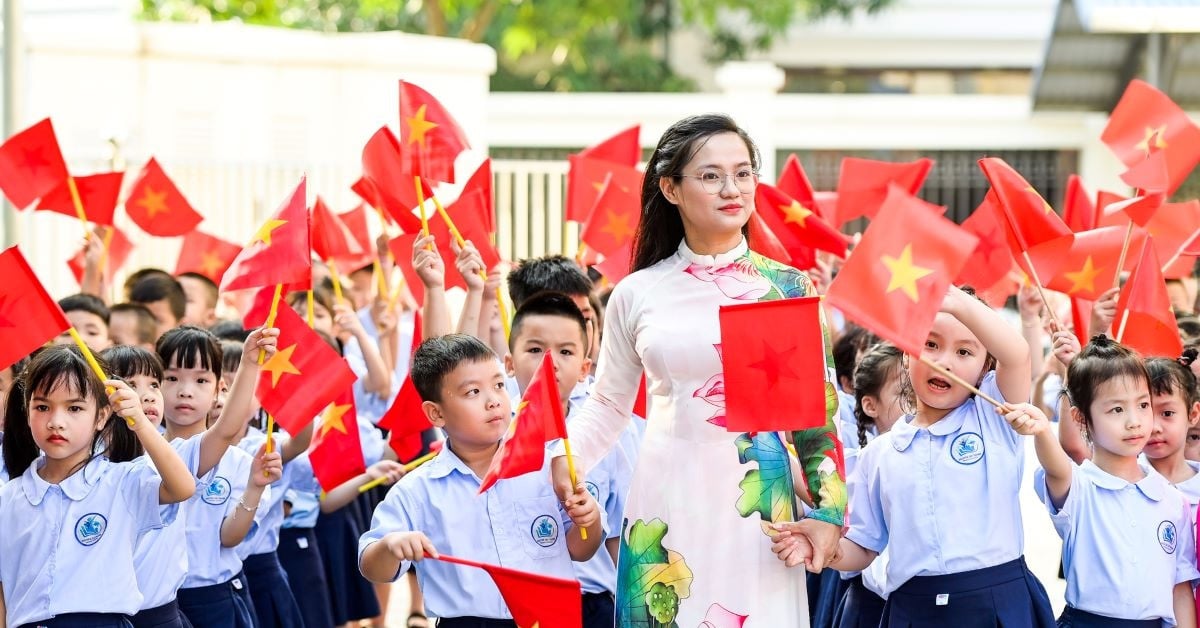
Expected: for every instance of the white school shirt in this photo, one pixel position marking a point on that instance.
(947, 493)
(517, 523)
(68, 547)
(160, 558)
(1125, 546)
(217, 495)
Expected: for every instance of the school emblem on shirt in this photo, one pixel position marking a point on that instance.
(594, 490)
(967, 448)
(544, 530)
(90, 528)
(217, 492)
(1167, 537)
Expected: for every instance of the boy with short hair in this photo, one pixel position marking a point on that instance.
(132, 324)
(200, 300)
(518, 522)
(89, 316)
(551, 323)
(163, 296)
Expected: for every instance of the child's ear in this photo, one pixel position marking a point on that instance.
(1078, 418)
(103, 417)
(1194, 415)
(509, 368)
(433, 412)
(584, 368)
(870, 406)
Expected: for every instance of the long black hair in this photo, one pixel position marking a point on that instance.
(661, 228)
(61, 365)
(124, 362)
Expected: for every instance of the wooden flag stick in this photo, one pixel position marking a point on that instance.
(310, 309)
(1124, 253)
(78, 202)
(337, 281)
(421, 206)
(571, 468)
(1037, 282)
(457, 235)
(1121, 326)
(960, 381)
(91, 360)
(108, 236)
(262, 353)
(407, 467)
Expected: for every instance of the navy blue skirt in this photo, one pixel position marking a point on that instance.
(274, 605)
(825, 592)
(301, 560)
(1004, 595)
(351, 596)
(224, 605)
(599, 610)
(860, 606)
(1075, 618)
(82, 620)
(166, 616)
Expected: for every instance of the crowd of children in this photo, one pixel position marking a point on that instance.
(157, 497)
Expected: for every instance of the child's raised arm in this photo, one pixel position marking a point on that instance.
(291, 448)
(239, 405)
(1013, 366)
(347, 491)
(469, 263)
(379, 378)
(178, 484)
(266, 469)
(435, 314)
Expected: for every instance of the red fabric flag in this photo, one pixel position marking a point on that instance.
(28, 316)
(432, 139)
(1144, 320)
(356, 221)
(538, 601)
(206, 255)
(894, 287)
(863, 184)
(405, 421)
(997, 294)
(585, 178)
(1103, 201)
(1078, 211)
(386, 183)
(624, 148)
(279, 252)
(303, 377)
(771, 385)
(465, 213)
(97, 193)
(614, 218)
(1146, 121)
(793, 181)
(32, 165)
(1175, 227)
(639, 402)
(1030, 219)
(157, 206)
(331, 238)
(616, 267)
(119, 248)
(537, 419)
(336, 452)
(764, 242)
(1090, 266)
(401, 247)
(991, 260)
(1081, 315)
(797, 226)
(481, 182)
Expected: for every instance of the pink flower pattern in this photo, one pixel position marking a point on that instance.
(737, 280)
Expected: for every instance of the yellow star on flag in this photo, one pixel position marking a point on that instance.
(334, 419)
(153, 202)
(1084, 278)
(281, 364)
(418, 126)
(905, 274)
(617, 225)
(210, 264)
(1152, 133)
(264, 232)
(795, 212)
(1046, 206)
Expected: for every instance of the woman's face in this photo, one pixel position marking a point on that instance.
(722, 160)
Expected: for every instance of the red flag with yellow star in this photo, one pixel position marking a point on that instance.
(478, 189)
(794, 182)
(336, 451)
(539, 601)
(1175, 227)
(1144, 320)
(894, 282)
(1090, 264)
(119, 248)
(1028, 219)
(863, 184)
(430, 138)
(97, 193)
(773, 381)
(1147, 121)
(798, 227)
(356, 221)
(990, 261)
(331, 238)
(279, 252)
(157, 206)
(537, 419)
(31, 164)
(614, 218)
(622, 148)
(386, 182)
(1078, 210)
(585, 178)
(206, 255)
(303, 376)
(28, 316)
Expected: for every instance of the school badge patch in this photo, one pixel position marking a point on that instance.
(217, 492)
(544, 530)
(1167, 537)
(90, 528)
(967, 448)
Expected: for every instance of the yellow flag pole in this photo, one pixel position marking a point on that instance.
(407, 467)
(457, 235)
(108, 236)
(571, 468)
(91, 360)
(262, 353)
(79, 211)
(421, 206)
(337, 281)
(1124, 253)
(310, 311)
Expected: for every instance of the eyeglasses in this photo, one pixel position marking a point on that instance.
(713, 181)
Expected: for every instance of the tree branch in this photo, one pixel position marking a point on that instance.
(435, 18)
(477, 26)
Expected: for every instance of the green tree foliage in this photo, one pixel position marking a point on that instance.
(559, 45)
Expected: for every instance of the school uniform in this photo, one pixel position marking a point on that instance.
(861, 600)
(160, 558)
(517, 523)
(1125, 547)
(274, 605)
(214, 592)
(948, 494)
(66, 550)
(298, 551)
